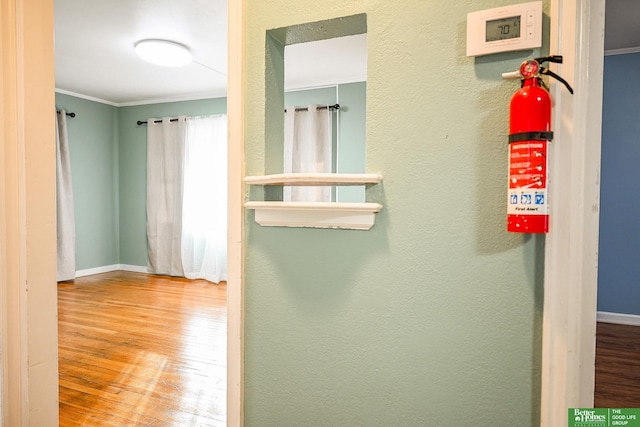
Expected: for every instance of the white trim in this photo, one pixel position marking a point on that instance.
(201, 96)
(624, 51)
(330, 86)
(325, 83)
(133, 268)
(110, 268)
(97, 270)
(314, 179)
(236, 99)
(618, 318)
(87, 97)
(211, 95)
(571, 246)
(27, 211)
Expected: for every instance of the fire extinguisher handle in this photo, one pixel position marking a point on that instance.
(553, 58)
(557, 77)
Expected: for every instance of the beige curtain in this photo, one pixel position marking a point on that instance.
(66, 225)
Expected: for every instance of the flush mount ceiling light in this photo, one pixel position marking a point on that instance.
(163, 52)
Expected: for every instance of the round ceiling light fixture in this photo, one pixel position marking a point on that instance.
(163, 52)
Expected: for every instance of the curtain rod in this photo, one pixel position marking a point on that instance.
(140, 122)
(68, 114)
(321, 107)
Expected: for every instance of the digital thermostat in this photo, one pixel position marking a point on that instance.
(503, 29)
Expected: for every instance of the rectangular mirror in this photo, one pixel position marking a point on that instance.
(325, 99)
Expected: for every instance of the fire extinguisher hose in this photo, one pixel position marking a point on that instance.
(550, 73)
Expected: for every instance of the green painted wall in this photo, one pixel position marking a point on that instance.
(93, 145)
(133, 172)
(432, 318)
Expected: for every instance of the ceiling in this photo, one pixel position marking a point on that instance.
(95, 57)
(622, 31)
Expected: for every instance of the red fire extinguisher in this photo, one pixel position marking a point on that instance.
(529, 137)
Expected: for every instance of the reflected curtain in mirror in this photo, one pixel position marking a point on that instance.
(307, 148)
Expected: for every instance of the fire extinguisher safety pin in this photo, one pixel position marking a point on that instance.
(512, 75)
(540, 70)
(531, 136)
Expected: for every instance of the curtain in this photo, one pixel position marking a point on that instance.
(307, 148)
(204, 211)
(66, 228)
(187, 197)
(165, 165)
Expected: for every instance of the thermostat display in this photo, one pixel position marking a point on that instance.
(503, 29)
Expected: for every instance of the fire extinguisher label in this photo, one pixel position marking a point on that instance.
(528, 162)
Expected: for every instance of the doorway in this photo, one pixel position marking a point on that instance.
(618, 309)
(105, 135)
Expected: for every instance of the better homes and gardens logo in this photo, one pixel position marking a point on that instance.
(588, 417)
(603, 417)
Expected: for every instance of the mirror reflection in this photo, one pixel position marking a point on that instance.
(325, 114)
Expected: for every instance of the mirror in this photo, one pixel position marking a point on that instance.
(329, 59)
(329, 73)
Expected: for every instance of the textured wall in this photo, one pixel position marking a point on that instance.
(618, 267)
(433, 317)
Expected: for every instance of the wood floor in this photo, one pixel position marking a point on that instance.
(617, 366)
(142, 350)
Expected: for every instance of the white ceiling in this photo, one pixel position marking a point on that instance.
(95, 57)
(621, 25)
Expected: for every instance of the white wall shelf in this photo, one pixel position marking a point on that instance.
(353, 216)
(314, 179)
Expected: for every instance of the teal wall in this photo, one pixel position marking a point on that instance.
(433, 317)
(93, 144)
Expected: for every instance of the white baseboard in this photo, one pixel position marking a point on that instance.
(134, 268)
(109, 268)
(619, 318)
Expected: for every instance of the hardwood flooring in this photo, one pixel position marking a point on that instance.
(142, 350)
(617, 366)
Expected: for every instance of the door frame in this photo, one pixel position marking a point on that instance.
(571, 247)
(28, 296)
(235, 244)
